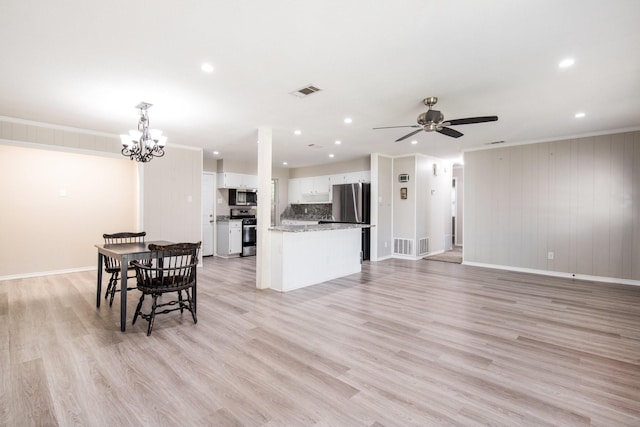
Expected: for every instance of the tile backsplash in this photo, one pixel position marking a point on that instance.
(307, 211)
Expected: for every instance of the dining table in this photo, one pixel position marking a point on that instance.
(124, 253)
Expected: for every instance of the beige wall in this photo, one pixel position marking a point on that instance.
(56, 205)
(381, 206)
(578, 198)
(104, 193)
(357, 165)
(172, 196)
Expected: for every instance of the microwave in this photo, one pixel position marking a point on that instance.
(243, 197)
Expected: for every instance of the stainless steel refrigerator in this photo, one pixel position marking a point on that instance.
(352, 204)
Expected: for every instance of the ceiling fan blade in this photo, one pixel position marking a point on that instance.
(408, 135)
(393, 127)
(471, 120)
(449, 132)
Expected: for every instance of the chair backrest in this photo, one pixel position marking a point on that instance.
(118, 238)
(172, 267)
(126, 237)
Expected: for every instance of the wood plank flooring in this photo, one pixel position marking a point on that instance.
(403, 343)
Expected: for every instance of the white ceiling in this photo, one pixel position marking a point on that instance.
(86, 64)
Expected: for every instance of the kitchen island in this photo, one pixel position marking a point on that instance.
(304, 255)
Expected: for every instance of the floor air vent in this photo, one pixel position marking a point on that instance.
(305, 91)
(403, 246)
(423, 246)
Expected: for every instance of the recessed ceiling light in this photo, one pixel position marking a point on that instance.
(338, 142)
(331, 155)
(215, 153)
(207, 68)
(414, 142)
(285, 163)
(348, 120)
(297, 131)
(566, 63)
(579, 115)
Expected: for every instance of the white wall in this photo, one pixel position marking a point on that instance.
(577, 198)
(458, 173)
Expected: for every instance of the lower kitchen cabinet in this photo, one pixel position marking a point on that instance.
(229, 238)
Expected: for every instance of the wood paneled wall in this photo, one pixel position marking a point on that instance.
(578, 198)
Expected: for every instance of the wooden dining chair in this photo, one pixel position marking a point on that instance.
(172, 270)
(112, 265)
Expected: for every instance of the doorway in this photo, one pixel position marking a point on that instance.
(208, 213)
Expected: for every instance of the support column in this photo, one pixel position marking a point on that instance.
(263, 262)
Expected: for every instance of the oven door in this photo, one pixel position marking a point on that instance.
(249, 239)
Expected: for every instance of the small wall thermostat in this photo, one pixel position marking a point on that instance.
(403, 177)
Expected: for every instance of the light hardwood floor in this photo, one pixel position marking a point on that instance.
(403, 343)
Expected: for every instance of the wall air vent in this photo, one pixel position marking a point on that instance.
(305, 91)
(423, 246)
(403, 246)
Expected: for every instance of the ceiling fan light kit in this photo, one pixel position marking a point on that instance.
(433, 121)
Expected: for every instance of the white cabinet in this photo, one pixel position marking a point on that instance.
(295, 191)
(351, 177)
(229, 238)
(237, 180)
(316, 189)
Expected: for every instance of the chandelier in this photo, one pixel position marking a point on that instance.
(143, 144)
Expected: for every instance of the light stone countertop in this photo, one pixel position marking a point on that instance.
(316, 227)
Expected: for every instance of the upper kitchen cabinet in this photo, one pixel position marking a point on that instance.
(237, 180)
(351, 177)
(315, 189)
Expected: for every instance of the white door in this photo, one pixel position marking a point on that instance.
(208, 213)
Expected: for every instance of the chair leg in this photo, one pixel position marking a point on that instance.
(135, 315)
(191, 307)
(112, 283)
(180, 301)
(152, 315)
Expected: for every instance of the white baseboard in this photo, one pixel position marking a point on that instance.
(556, 273)
(46, 273)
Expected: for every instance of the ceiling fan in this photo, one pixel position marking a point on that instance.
(433, 120)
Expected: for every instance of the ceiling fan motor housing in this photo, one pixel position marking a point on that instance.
(431, 116)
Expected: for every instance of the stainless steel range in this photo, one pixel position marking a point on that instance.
(249, 236)
(249, 229)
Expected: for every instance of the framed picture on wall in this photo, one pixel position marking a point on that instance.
(403, 192)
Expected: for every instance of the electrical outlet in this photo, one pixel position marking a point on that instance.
(385, 244)
(550, 255)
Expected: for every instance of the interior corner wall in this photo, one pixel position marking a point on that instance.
(404, 210)
(458, 174)
(381, 200)
(172, 196)
(433, 209)
(57, 205)
(576, 201)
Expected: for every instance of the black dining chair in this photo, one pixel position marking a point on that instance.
(172, 269)
(112, 265)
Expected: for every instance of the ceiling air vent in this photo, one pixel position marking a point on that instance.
(305, 91)
(495, 142)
